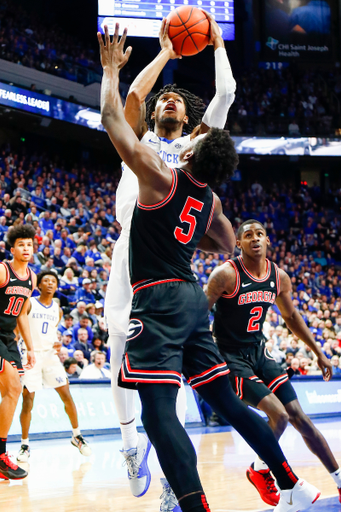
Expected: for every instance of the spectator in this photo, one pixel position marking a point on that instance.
(295, 366)
(72, 370)
(78, 311)
(84, 293)
(66, 324)
(63, 354)
(81, 361)
(96, 370)
(335, 360)
(82, 343)
(83, 324)
(67, 341)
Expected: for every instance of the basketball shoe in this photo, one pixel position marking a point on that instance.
(24, 453)
(9, 470)
(169, 502)
(299, 498)
(82, 445)
(264, 484)
(138, 471)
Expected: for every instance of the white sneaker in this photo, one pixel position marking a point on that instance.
(299, 498)
(138, 471)
(169, 502)
(80, 443)
(24, 453)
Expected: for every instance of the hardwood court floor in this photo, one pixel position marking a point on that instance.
(62, 480)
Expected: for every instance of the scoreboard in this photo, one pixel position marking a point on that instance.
(143, 17)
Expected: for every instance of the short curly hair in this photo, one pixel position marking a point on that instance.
(245, 223)
(47, 273)
(195, 107)
(20, 231)
(215, 158)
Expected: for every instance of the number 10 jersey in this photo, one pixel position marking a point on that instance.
(13, 295)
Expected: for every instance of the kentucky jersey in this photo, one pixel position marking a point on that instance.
(164, 236)
(13, 295)
(239, 316)
(43, 322)
(128, 188)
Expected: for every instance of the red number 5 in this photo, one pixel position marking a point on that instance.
(252, 325)
(185, 216)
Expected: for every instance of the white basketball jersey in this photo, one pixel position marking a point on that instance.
(43, 322)
(128, 188)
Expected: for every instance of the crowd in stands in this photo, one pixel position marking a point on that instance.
(27, 40)
(73, 212)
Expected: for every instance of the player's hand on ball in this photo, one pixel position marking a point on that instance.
(112, 52)
(31, 360)
(216, 39)
(165, 42)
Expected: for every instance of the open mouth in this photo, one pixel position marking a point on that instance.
(256, 246)
(170, 107)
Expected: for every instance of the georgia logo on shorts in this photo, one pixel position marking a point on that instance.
(135, 328)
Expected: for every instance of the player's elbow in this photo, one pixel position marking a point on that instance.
(134, 97)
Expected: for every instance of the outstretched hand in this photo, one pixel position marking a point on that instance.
(112, 53)
(215, 32)
(165, 42)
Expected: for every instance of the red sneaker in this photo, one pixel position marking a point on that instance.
(264, 484)
(339, 489)
(9, 470)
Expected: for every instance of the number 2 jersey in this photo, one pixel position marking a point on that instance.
(164, 236)
(13, 295)
(239, 316)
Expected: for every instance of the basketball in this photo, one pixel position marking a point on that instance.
(189, 30)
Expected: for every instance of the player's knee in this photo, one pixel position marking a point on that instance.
(14, 390)
(302, 423)
(282, 419)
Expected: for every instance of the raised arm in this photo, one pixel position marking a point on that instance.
(135, 107)
(220, 237)
(296, 324)
(217, 111)
(143, 161)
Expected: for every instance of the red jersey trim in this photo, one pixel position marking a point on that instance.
(278, 279)
(7, 275)
(156, 282)
(193, 180)
(167, 198)
(267, 275)
(210, 379)
(21, 278)
(236, 288)
(210, 218)
(153, 372)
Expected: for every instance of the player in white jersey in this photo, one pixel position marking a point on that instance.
(44, 315)
(170, 114)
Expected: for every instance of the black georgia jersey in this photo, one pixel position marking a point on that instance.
(13, 295)
(164, 236)
(239, 317)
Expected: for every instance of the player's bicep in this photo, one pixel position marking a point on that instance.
(3, 274)
(25, 309)
(135, 114)
(284, 298)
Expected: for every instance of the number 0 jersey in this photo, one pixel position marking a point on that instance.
(239, 316)
(43, 322)
(164, 236)
(13, 295)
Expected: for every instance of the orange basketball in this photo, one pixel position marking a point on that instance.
(189, 30)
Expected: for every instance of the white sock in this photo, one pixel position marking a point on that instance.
(336, 476)
(259, 465)
(25, 441)
(129, 435)
(76, 432)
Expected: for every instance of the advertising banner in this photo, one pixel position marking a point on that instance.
(296, 30)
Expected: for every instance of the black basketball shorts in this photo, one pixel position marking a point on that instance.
(9, 352)
(169, 335)
(255, 374)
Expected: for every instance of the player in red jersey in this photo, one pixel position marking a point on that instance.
(243, 290)
(17, 282)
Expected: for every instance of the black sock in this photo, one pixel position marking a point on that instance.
(3, 445)
(174, 449)
(256, 432)
(194, 503)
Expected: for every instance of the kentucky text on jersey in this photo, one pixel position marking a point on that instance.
(45, 316)
(169, 158)
(248, 298)
(18, 290)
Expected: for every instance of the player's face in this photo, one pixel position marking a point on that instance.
(22, 250)
(170, 109)
(253, 241)
(48, 285)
